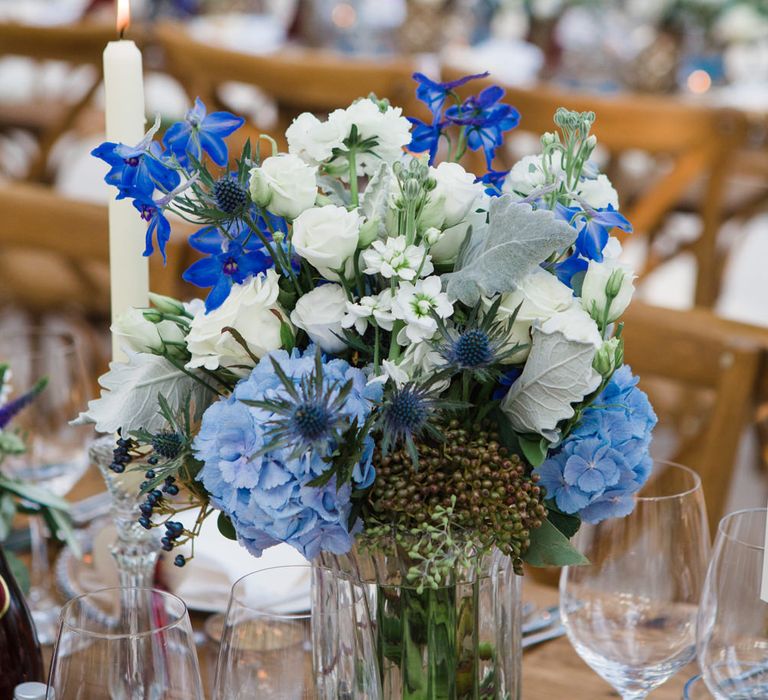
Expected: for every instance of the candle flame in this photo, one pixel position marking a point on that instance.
(123, 15)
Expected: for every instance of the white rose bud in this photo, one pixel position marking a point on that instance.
(453, 196)
(259, 188)
(252, 310)
(167, 305)
(292, 185)
(320, 313)
(606, 358)
(576, 325)
(326, 237)
(607, 290)
(139, 334)
(369, 232)
(432, 235)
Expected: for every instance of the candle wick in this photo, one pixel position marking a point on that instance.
(122, 32)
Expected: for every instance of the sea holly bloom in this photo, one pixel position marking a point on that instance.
(201, 132)
(137, 170)
(485, 119)
(229, 262)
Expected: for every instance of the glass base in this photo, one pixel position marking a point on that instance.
(45, 614)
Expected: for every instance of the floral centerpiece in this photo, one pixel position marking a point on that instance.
(398, 361)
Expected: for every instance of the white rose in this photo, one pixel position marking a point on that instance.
(599, 193)
(251, 309)
(326, 237)
(390, 128)
(540, 296)
(453, 196)
(140, 335)
(607, 290)
(292, 184)
(312, 140)
(320, 313)
(446, 248)
(576, 325)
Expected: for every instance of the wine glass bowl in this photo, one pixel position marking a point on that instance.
(631, 613)
(138, 646)
(732, 632)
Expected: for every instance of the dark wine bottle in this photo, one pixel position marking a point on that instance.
(20, 657)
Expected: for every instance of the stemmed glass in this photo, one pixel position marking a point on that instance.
(269, 653)
(732, 632)
(125, 644)
(631, 613)
(56, 455)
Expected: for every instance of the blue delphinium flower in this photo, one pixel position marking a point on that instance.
(493, 179)
(152, 212)
(137, 170)
(599, 467)
(426, 136)
(594, 227)
(201, 132)
(266, 494)
(485, 119)
(229, 262)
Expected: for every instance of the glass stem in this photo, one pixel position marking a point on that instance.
(637, 695)
(40, 569)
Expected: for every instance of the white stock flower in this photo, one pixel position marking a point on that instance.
(251, 309)
(598, 192)
(326, 237)
(527, 175)
(453, 197)
(575, 324)
(607, 290)
(379, 307)
(392, 258)
(415, 304)
(320, 313)
(140, 335)
(390, 128)
(539, 297)
(292, 184)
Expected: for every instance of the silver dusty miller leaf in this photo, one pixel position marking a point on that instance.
(130, 390)
(497, 259)
(558, 373)
(375, 200)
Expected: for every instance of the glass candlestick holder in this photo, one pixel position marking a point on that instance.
(135, 549)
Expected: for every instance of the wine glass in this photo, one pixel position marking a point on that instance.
(631, 613)
(270, 653)
(56, 454)
(695, 689)
(732, 631)
(125, 644)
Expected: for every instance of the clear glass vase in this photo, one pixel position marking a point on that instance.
(457, 641)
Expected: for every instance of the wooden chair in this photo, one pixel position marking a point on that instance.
(298, 80)
(78, 45)
(702, 362)
(695, 141)
(54, 252)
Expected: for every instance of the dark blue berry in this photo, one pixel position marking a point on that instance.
(150, 474)
(145, 522)
(172, 490)
(143, 485)
(169, 480)
(117, 467)
(180, 560)
(175, 526)
(152, 499)
(166, 544)
(154, 459)
(146, 509)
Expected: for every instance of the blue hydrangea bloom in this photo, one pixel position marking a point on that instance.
(605, 460)
(267, 497)
(137, 170)
(201, 132)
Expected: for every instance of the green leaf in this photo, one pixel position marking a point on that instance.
(7, 513)
(550, 547)
(19, 571)
(36, 494)
(286, 337)
(534, 449)
(60, 525)
(226, 527)
(567, 524)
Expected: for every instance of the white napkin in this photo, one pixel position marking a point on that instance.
(205, 583)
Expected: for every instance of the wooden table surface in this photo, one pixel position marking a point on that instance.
(551, 671)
